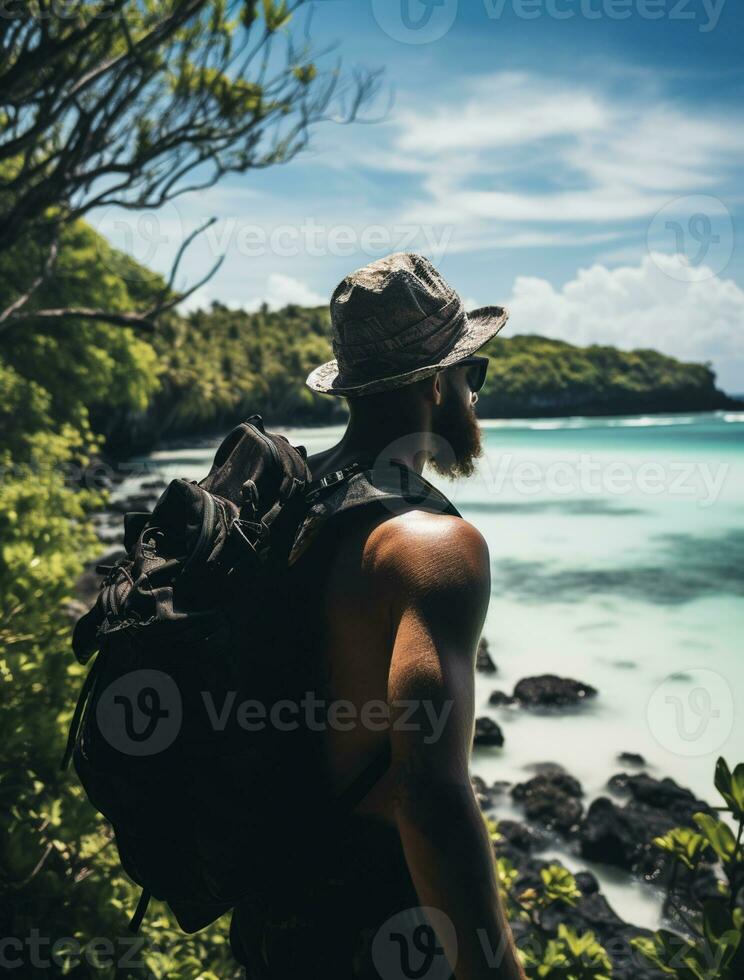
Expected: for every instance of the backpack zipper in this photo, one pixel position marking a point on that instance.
(264, 438)
(206, 529)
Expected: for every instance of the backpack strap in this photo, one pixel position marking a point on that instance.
(365, 781)
(139, 913)
(393, 484)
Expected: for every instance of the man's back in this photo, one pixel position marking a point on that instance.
(359, 596)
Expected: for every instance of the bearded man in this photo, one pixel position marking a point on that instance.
(396, 598)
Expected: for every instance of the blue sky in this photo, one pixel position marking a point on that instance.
(579, 161)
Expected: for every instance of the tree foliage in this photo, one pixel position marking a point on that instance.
(132, 103)
(531, 375)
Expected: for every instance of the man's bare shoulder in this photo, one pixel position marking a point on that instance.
(419, 549)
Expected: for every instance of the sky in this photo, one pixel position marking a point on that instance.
(580, 162)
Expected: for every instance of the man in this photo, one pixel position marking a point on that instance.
(399, 597)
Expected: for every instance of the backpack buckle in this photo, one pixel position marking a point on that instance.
(331, 480)
(245, 536)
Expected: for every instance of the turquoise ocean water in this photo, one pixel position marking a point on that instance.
(617, 551)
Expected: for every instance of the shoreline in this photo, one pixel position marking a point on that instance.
(208, 436)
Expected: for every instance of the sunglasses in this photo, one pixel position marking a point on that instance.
(477, 369)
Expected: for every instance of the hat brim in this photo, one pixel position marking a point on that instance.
(481, 325)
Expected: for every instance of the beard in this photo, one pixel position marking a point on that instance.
(457, 439)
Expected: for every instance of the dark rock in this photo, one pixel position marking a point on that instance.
(662, 794)
(487, 732)
(586, 882)
(157, 484)
(592, 911)
(548, 690)
(500, 786)
(548, 776)
(520, 836)
(552, 799)
(499, 698)
(632, 759)
(545, 768)
(610, 835)
(623, 835)
(483, 661)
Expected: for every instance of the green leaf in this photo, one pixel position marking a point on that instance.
(723, 782)
(684, 844)
(560, 885)
(305, 73)
(718, 835)
(276, 14)
(737, 790)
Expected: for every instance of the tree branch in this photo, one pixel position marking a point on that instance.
(42, 277)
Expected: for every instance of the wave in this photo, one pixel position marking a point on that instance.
(599, 422)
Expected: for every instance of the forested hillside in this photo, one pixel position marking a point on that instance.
(219, 364)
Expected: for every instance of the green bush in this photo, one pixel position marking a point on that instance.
(567, 956)
(711, 946)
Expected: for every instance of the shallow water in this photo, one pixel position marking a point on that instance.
(617, 549)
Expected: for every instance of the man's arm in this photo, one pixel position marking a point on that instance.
(438, 570)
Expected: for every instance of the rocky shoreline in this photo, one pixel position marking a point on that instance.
(616, 830)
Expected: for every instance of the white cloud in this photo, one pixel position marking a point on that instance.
(279, 291)
(505, 109)
(589, 156)
(646, 305)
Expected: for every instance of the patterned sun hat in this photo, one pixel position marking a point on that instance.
(396, 321)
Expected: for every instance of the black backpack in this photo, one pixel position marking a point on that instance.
(170, 736)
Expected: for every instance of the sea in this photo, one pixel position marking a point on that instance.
(617, 559)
